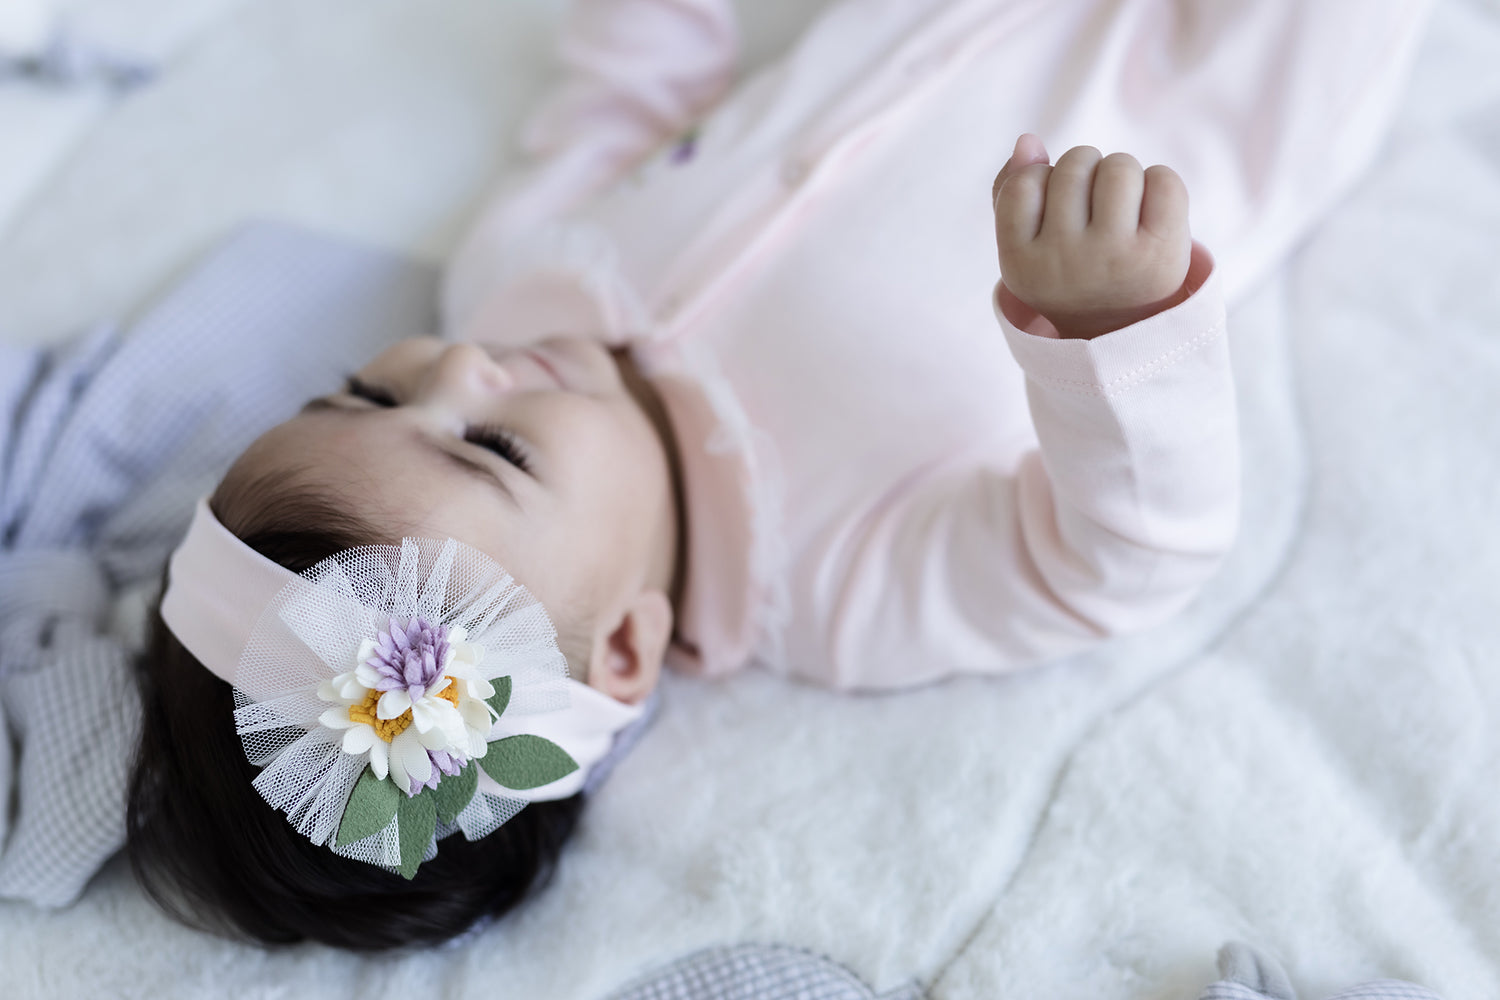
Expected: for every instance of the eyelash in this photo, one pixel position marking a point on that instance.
(501, 441)
(490, 436)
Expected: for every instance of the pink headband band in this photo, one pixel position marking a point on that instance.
(218, 588)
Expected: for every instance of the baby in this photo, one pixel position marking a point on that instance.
(690, 453)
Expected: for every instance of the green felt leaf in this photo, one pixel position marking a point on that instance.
(526, 761)
(371, 805)
(501, 697)
(416, 820)
(454, 792)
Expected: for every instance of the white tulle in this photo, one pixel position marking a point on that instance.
(311, 637)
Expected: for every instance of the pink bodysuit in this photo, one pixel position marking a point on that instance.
(891, 473)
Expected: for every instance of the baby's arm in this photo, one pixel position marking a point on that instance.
(637, 73)
(1132, 499)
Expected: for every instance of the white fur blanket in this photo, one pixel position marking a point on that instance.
(1306, 761)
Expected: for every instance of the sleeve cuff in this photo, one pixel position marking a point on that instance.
(1119, 359)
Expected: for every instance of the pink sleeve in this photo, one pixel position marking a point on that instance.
(637, 72)
(1111, 526)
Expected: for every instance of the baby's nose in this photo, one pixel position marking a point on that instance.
(469, 368)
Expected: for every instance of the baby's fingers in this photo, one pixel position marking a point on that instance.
(1069, 191)
(1164, 205)
(1018, 193)
(1118, 187)
(1029, 150)
(1018, 206)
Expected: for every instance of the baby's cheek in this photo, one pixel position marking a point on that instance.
(618, 445)
(611, 473)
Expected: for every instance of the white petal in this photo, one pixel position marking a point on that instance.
(392, 704)
(423, 716)
(366, 650)
(359, 739)
(477, 745)
(481, 688)
(397, 768)
(326, 692)
(476, 714)
(446, 718)
(349, 687)
(336, 717)
(412, 757)
(461, 667)
(435, 739)
(380, 758)
(457, 635)
(366, 675)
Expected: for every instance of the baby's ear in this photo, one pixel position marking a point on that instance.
(625, 662)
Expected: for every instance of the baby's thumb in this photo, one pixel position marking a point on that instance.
(1029, 150)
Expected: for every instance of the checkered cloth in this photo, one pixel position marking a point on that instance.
(755, 972)
(776, 972)
(1251, 975)
(105, 443)
(1379, 989)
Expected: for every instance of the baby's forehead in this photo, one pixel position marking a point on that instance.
(379, 470)
(362, 467)
(307, 444)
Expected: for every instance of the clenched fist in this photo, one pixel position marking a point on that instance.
(1093, 243)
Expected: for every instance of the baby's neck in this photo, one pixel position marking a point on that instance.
(650, 402)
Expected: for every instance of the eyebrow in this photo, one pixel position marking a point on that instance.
(456, 460)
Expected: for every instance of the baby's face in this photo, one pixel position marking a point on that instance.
(542, 457)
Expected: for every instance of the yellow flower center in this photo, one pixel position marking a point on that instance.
(389, 729)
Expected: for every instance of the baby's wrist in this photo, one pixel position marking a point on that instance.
(1088, 323)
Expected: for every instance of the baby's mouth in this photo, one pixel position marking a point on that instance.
(541, 361)
(535, 354)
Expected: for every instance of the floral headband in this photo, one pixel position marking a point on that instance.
(391, 695)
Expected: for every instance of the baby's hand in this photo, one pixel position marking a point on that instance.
(1093, 244)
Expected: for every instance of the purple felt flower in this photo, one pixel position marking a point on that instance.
(409, 659)
(448, 763)
(442, 760)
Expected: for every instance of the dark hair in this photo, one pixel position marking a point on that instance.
(213, 854)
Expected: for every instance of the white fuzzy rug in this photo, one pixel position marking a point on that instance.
(1306, 761)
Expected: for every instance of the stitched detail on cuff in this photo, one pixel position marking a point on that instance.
(1128, 380)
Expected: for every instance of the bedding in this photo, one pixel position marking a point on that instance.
(1303, 761)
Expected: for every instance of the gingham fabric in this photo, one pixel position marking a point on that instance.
(755, 972)
(777, 972)
(1252, 975)
(105, 443)
(1379, 989)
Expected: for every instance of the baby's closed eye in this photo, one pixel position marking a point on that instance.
(491, 436)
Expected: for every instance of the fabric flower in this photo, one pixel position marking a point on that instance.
(414, 702)
(375, 672)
